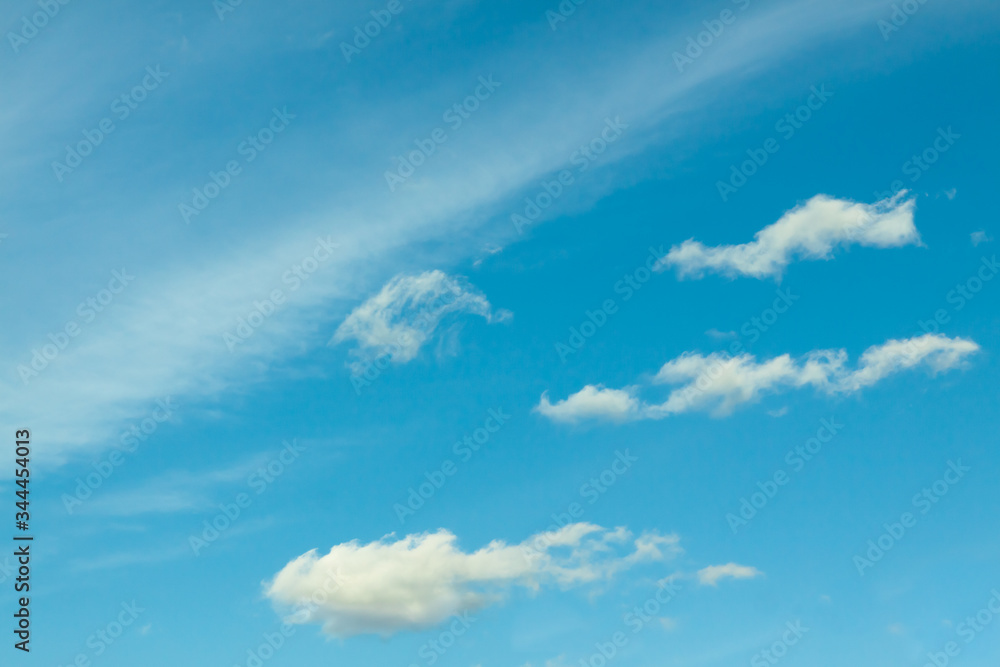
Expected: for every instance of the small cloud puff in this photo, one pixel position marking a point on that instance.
(980, 236)
(713, 574)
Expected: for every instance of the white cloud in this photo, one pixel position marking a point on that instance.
(711, 575)
(937, 352)
(810, 231)
(593, 402)
(406, 313)
(980, 236)
(420, 580)
(718, 383)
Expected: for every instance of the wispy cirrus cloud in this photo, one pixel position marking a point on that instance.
(719, 383)
(174, 491)
(811, 231)
(406, 312)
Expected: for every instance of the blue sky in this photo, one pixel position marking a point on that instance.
(528, 341)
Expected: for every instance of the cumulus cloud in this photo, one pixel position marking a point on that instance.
(592, 402)
(406, 313)
(810, 231)
(719, 383)
(421, 580)
(711, 575)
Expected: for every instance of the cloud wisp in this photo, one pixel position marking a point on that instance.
(719, 383)
(405, 315)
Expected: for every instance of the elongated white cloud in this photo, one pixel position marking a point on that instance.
(719, 383)
(807, 232)
(421, 580)
(939, 353)
(406, 313)
(713, 574)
